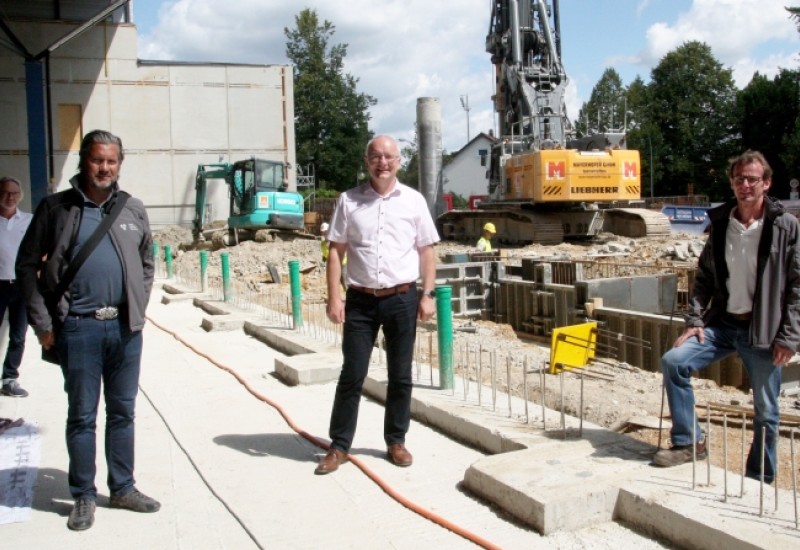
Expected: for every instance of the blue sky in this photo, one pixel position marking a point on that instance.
(405, 49)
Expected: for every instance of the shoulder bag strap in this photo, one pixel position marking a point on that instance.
(90, 245)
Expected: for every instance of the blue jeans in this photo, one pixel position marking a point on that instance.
(11, 299)
(95, 353)
(722, 340)
(364, 316)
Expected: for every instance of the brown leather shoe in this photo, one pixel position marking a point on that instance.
(330, 462)
(399, 455)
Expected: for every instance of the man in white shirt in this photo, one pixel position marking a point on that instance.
(13, 224)
(386, 231)
(745, 300)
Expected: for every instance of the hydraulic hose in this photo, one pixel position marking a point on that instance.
(388, 489)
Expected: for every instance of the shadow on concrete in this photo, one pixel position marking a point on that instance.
(51, 492)
(281, 445)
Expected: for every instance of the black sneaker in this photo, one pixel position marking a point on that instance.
(12, 388)
(136, 502)
(679, 454)
(82, 515)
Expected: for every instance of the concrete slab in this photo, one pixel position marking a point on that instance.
(664, 503)
(558, 485)
(314, 368)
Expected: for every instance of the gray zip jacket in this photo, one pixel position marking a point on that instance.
(45, 252)
(776, 300)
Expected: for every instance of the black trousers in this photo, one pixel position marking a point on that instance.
(364, 316)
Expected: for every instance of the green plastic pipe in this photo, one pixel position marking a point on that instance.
(444, 326)
(227, 294)
(297, 296)
(168, 259)
(204, 270)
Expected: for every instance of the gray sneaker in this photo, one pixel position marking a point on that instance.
(82, 515)
(679, 454)
(12, 388)
(136, 502)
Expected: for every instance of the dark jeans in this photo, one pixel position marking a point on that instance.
(95, 353)
(364, 316)
(722, 340)
(11, 299)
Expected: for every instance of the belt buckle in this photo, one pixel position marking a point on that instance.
(106, 313)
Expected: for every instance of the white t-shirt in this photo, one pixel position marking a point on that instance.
(741, 256)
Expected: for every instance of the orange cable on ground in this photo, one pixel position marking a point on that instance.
(417, 509)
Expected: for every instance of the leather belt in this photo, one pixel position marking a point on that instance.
(107, 313)
(381, 292)
(740, 316)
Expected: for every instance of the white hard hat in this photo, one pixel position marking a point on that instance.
(324, 228)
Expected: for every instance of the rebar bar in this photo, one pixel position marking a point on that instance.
(708, 444)
(761, 474)
(794, 479)
(744, 429)
(525, 387)
(725, 454)
(508, 383)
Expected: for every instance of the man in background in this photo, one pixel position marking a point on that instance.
(13, 224)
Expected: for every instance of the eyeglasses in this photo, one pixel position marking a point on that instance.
(377, 158)
(4, 194)
(751, 180)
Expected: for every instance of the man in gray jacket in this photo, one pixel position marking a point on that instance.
(745, 300)
(96, 325)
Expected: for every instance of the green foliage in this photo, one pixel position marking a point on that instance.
(692, 107)
(331, 116)
(605, 110)
(769, 112)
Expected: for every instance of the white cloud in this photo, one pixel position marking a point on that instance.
(399, 49)
(736, 30)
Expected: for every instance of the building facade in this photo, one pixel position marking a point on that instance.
(171, 116)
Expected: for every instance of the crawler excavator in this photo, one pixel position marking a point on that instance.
(544, 185)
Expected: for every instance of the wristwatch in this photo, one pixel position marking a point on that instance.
(429, 293)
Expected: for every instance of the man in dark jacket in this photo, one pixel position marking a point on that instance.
(746, 300)
(96, 325)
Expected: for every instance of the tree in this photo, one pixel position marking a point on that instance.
(769, 111)
(605, 110)
(692, 101)
(331, 116)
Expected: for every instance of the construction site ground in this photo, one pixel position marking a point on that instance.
(630, 402)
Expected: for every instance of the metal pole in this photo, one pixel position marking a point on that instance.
(761, 474)
(708, 443)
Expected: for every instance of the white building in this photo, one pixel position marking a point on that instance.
(467, 173)
(171, 116)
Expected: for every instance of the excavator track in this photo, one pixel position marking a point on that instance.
(636, 222)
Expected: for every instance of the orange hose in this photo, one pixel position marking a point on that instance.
(416, 508)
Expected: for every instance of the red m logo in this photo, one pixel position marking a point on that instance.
(556, 170)
(629, 170)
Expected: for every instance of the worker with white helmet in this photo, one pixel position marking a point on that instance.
(324, 245)
(485, 242)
